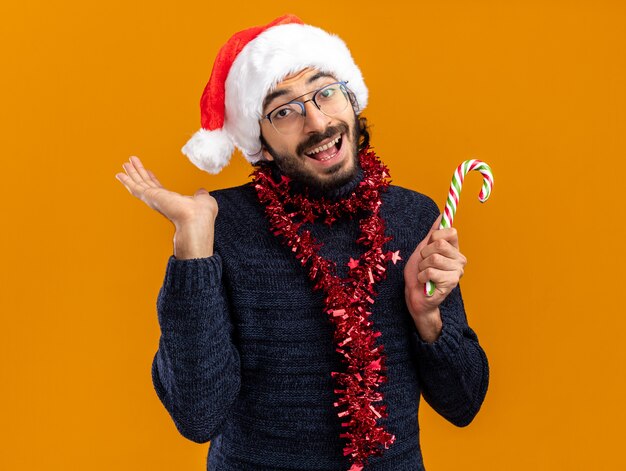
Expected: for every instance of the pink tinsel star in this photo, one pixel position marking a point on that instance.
(394, 256)
(353, 263)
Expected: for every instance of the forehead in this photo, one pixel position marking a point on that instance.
(297, 75)
(287, 88)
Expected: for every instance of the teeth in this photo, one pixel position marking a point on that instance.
(324, 147)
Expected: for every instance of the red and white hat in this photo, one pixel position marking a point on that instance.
(246, 69)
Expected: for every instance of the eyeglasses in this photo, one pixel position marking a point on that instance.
(331, 100)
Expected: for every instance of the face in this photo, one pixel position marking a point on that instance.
(293, 152)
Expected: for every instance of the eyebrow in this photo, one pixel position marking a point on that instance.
(275, 94)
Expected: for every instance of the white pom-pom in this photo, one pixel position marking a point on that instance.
(209, 150)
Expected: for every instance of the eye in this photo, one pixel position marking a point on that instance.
(282, 113)
(327, 92)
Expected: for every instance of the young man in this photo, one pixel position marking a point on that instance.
(294, 334)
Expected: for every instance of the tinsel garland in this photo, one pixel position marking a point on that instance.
(347, 301)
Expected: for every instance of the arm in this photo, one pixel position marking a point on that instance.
(452, 366)
(453, 370)
(196, 370)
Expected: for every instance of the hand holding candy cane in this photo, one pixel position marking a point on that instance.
(454, 195)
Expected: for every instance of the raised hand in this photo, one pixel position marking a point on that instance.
(193, 216)
(437, 258)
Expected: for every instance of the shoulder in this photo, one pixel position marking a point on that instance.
(237, 200)
(408, 216)
(234, 194)
(409, 204)
(237, 205)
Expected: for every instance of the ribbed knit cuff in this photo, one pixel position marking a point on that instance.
(445, 348)
(184, 277)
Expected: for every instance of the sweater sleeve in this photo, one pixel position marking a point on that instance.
(196, 369)
(453, 370)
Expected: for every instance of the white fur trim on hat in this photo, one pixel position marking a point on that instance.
(209, 150)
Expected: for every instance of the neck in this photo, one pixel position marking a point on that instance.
(336, 193)
(360, 193)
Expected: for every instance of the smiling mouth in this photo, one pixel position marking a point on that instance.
(326, 151)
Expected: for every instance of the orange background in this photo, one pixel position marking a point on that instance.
(535, 88)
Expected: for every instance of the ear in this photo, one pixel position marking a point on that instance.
(266, 153)
(353, 101)
(264, 150)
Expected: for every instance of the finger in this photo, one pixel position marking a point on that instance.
(426, 240)
(440, 277)
(154, 178)
(449, 233)
(442, 247)
(134, 160)
(435, 225)
(132, 173)
(440, 262)
(411, 264)
(125, 180)
(137, 187)
(139, 183)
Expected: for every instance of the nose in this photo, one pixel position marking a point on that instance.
(315, 121)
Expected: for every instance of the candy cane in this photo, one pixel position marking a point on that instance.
(454, 195)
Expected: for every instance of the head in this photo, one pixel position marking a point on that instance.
(254, 66)
(294, 152)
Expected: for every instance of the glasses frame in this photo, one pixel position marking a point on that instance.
(301, 103)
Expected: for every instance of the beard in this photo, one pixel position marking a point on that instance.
(293, 166)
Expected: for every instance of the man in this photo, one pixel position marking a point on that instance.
(294, 335)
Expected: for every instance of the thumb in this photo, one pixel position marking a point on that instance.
(416, 256)
(200, 191)
(433, 228)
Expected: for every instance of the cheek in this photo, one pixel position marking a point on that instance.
(290, 148)
(354, 127)
(286, 147)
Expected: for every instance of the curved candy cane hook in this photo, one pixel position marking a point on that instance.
(454, 194)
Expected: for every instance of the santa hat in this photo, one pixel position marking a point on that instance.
(246, 69)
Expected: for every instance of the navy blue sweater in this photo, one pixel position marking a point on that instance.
(246, 351)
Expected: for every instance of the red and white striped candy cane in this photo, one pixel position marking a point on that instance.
(454, 194)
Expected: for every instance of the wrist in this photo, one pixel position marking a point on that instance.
(429, 325)
(193, 241)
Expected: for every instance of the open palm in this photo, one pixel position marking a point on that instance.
(180, 209)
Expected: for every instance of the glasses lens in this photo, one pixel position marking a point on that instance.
(286, 118)
(332, 99)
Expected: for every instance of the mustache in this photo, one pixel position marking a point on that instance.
(315, 139)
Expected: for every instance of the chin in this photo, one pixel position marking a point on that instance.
(335, 176)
